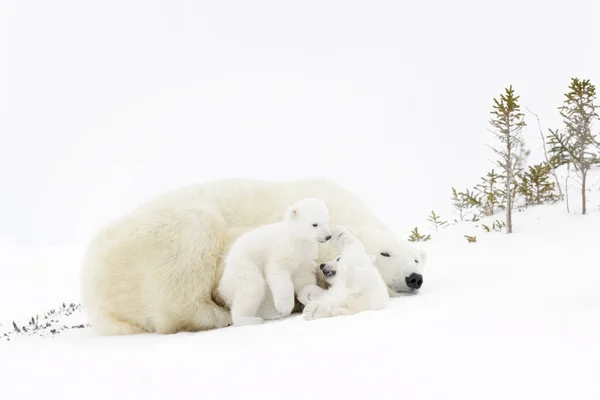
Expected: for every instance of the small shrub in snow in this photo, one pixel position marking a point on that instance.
(436, 221)
(465, 204)
(535, 185)
(497, 226)
(490, 195)
(415, 236)
(48, 324)
(470, 239)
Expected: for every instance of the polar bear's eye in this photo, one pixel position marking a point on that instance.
(417, 261)
(338, 259)
(315, 225)
(385, 254)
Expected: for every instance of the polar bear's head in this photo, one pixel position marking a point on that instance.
(310, 217)
(343, 235)
(335, 269)
(400, 263)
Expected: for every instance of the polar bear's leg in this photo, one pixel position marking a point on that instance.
(310, 293)
(281, 286)
(314, 310)
(340, 311)
(204, 315)
(305, 283)
(333, 302)
(246, 293)
(107, 324)
(180, 293)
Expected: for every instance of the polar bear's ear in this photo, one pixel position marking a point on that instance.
(291, 213)
(336, 232)
(372, 258)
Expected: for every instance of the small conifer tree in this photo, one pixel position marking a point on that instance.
(577, 145)
(524, 188)
(459, 204)
(536, 186)
(415, 236)
(490, 194)
(436, 221)
(507, 123)
(471, 200)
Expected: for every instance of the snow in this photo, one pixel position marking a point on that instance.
(510, 316)
(107, 104)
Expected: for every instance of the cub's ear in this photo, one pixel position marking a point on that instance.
(336, 232)
(372, 258)
(291, 213)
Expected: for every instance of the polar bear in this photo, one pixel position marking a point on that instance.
(356, 284)
(273, 261)
(156, 268)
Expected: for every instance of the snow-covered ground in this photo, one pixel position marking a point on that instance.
(508, 317)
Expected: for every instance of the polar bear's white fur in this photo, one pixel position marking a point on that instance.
(356, 285)
(157, 268)
(266, 266)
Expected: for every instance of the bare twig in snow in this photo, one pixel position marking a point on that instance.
(546, 152)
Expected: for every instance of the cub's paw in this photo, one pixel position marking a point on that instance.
(309, 310)
(309, 293)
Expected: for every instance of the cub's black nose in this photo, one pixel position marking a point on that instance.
(328, 237)
(322, 266)
(414, 281)
(328, 272)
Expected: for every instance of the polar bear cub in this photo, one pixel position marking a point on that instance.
(356, 284)
(268, 265)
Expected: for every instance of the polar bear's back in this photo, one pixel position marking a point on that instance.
(253, 202)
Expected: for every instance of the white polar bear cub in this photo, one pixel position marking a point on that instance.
(277, 259)
(356, 284)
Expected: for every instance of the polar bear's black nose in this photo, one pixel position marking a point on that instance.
(414, 281)
(327, 237)
(322, 266)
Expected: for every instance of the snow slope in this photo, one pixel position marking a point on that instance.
(507, 317)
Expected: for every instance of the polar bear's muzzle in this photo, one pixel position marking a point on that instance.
(328, 270)
(409, 284)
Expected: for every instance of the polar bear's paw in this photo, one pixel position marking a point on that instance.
(284, 304)
(309, 293)
(310, 310)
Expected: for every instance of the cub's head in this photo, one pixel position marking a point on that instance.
(342, 235)
(310, 217)
(333, 270)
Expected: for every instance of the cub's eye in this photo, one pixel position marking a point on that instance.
(385, 254)
(338, 259)
(417, 261)
(315, 225)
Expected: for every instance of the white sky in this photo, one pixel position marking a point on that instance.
(103, 104)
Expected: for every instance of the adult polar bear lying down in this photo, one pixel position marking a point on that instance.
(157, 268)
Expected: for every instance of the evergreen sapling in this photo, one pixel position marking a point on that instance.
(507, 124)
